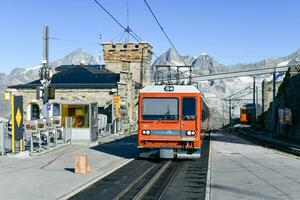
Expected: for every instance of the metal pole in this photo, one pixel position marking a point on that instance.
(230, 112)
(273, 103)
(256, 110)
(12, 124)
(142, 68)
(46, 43)
(223, 116)
(263, 97)
(190, 76)
(254, 101)
(31, 144)
(169, 75)
(177, 76)
(2, 131)
(45, 65)
(274, 86)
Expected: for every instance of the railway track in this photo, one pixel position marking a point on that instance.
(153, 183)
(154, 179)
(264, 143)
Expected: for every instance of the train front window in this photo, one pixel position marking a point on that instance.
(160, 109)
(188, 108)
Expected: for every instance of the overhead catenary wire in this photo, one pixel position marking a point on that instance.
(130, 32)
(162, 29)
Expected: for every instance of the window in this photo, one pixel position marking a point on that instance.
(160, 109)
(188, 108)
(79, 114)
(56, 109)
(35, 111)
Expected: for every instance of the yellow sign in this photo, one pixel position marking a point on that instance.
(18, 117)
(117, 100)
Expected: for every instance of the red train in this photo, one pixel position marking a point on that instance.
(247, 114)
(172, 120)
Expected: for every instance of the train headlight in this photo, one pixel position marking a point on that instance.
(146, 132)
(189, 133)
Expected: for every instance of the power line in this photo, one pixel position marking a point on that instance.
(129, 31)
(117, 36)
(162, 29)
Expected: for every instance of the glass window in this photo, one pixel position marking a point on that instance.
(188, 108)
(35, 111)
(160, 109)
(56, 109)
(79, 114)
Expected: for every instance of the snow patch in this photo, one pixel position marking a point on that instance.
(284, 63)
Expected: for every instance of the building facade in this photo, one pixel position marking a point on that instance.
(126, 70)
(134, 58)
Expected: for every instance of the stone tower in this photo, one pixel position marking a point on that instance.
(131, 57)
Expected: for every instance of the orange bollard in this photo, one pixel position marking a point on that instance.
(81, 164)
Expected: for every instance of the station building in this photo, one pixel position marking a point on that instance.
(125, 71)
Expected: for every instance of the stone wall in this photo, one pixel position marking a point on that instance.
(288, 96)
(102, 96)
(117, 56)
(267, 93)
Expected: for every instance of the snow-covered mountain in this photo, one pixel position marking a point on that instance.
(215, 91)
(25, 75)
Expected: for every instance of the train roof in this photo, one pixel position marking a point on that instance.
(177, 89)
(248, 106)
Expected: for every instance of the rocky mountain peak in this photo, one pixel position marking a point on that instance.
(75, 57)
(170, 57)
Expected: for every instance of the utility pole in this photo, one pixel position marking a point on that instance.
(46, 64)
(254, 101)
(45, 71)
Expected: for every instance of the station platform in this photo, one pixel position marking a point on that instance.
(51, 175)
(239, 169)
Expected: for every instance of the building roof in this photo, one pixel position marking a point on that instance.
(77, 77)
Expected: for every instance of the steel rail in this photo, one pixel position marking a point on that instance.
(152, 181)
(170, 181)
(133, 183)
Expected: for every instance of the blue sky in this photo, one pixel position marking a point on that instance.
(231, 31)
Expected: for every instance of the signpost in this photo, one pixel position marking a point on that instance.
(116, 101)
(16, 121)
(116, 114)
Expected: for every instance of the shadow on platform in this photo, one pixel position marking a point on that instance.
(72, 169)
(125, 147)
